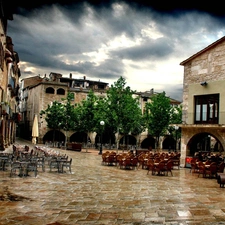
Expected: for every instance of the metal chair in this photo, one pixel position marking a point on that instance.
(15, 167)
(67, 164)
(31, 167)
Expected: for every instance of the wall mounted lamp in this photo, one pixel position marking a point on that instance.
(204, 83)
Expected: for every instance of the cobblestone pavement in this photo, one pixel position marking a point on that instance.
(97, 194)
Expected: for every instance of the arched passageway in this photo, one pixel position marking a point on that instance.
(204, 142)
(54, 136)
(148, 143)
(80, 137)
(128, 140)
(108, 140)
(169, 143)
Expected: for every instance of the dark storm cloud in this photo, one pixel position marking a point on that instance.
(212, 8)
(103, 40)
(109, 69)
(149, 50)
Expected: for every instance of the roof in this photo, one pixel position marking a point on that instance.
(203, 50)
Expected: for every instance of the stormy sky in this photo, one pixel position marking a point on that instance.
(103, 40)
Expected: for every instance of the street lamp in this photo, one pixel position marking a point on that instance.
(102, 123)
(176, 129)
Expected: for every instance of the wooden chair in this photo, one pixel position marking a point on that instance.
(194, 167)
(110, 160)
(125, 164)
(159, 169)
(169, 167)
(150, 165)
(211, 171)
(201, 168)
(104, 155)
(118, 159)
(176, 162)
(134, 162)
(220, 167)
(141, 160)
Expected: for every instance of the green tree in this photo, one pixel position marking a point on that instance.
(53, 116)
(157, 115)
(60, 115)
(175, 118)
(85, 112)
(124, 112)
(69, 121)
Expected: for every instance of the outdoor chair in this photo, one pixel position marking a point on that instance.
(66, 164)
(125, 164)
(41, 162)
(150, 165)
(134, 163)
(194, 167)
(220, 167)
(211, 171)
(110, 160)
(54, 164)
(15, 169)
(169, 167)
(31, 167)
(201, 168)
(159, 168)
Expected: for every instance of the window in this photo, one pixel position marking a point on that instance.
(60, 91)
(206, 109)
(50, 90)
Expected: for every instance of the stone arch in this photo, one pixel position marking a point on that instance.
(205, 141)
(128, 140)
(169, 143)
(107, 139)
(53, 135)
(190, 135)
(80, 137)
(148, 142)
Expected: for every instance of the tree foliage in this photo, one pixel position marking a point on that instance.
(157, 115)
(123, 108)
(86, 113)
(60, 115)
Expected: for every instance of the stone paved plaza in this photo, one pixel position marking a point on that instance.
(99, 194)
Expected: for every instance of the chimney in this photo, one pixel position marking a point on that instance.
(84, 77)
(70, 75)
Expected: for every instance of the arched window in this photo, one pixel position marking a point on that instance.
(60, 91)
(50, 90)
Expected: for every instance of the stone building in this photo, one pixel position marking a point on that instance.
(37, 92)
(144, 139)
(9, 80)
(203, 127)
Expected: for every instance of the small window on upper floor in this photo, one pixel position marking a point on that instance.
(50, 90)
(60, 91)
(207, 109)
(101, 86)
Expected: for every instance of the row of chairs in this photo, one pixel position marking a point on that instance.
(207, 169)
(22, 161)
(160, 168)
